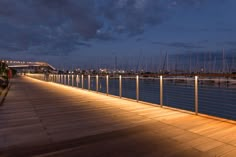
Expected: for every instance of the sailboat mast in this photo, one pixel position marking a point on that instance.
(223, 60)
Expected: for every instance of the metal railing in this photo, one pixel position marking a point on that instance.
(215, 97)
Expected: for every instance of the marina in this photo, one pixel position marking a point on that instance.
(117, 78)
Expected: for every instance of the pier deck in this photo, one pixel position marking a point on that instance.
(46, 119)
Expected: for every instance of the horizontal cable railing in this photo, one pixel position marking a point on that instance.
(217, 98)
(129, 87)
(102, 87)
(114, 86)
(93, 83)
(211, 96)
(85, 83)
(149, 90)
(179, 93)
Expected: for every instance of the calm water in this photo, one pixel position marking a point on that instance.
(214, 99)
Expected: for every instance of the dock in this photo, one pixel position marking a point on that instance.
(46, 119)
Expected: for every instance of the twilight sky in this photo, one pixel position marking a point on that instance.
(79, 32)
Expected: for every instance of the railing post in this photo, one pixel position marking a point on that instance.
(196, 95)
(64, 79)
(161, 91)
(82, 81)
(88, 82)
(61, 78)
(137, 88)
(68, 80)
(120, 86)
(97, 83)
(107, 84)
(72, 80)
(77, 80)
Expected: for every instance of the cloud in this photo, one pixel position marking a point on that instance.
(231, 43)
(84, 44)
(184, 45)
(131, 16)
(217, 29)
(56, 24)
(139, 39)
(63, 26)
(189, 2)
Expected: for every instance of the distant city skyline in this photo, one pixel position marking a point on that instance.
(70, 33)
(163, 63)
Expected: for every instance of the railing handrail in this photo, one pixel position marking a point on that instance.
(73, 79)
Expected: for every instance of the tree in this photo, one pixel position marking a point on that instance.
(3, 69)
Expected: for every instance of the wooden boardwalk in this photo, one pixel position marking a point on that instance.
(46, 119)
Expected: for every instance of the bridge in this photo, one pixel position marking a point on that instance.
(25, 65)
(41, 118)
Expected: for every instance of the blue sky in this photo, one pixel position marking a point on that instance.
(88, 32)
